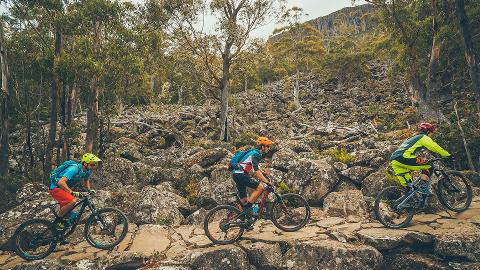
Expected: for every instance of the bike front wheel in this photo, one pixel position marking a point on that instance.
(224, 224)
(106, 228)
(290, 212)
(392, 210)
(454, 192)
(35, 239)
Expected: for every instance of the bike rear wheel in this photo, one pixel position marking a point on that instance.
(106, 228)
(290, 213)
(388, 211)
(223, 224)
(454, 192)
(35, 239)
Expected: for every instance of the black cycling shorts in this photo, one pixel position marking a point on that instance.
(243, 181)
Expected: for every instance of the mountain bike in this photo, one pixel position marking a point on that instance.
(395, 206)
(225, 224)
(104, 229)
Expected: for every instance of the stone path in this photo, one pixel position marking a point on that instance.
(446, 238)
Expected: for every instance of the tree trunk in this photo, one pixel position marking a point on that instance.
(465, 144)
(225, 87)
(470, 55)
(4, 97)
(54, 93)
(71, 96)
(296, 90)
(91, 143)
(434, 80)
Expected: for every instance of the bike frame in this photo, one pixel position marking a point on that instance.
(435, 170)
(261, 206)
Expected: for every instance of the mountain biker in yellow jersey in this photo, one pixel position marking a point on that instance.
(64, 177)
(403, 160)
(247, 167)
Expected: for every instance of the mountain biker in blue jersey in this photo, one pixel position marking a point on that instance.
(66, 176)
(247, 168)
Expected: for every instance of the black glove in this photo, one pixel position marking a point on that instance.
(270, 188)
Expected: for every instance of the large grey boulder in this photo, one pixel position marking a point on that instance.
(462, 241)
(356, 173)
(114, 173)
(375, 182)
(264, 256)
(386, 239)
(216, 189)
(331, 255)
(128, 148)
(222, 257)
(159, 207)
(149, 175)
(312, 178)
(369, 157)
(207, 157)
(415, 261)
(345, 203)
(283, 158)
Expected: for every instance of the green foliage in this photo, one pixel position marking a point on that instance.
(191, 190)
(340, 155)
(244, 138)
(292, 106)
(166, 221)
(283, 188)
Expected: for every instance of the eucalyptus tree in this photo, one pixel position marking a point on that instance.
(405, 19)
(470, 55)
(298, 45)
(4, 101)
(235, 21)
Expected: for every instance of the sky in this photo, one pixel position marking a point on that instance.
(314, 9)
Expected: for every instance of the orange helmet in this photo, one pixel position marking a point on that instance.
(263, 141)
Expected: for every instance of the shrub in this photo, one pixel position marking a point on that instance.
(292, 106)
(244, 138)
(284, 188)
(340, 155)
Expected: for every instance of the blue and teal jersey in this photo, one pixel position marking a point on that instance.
(73, 173)
(249, 162)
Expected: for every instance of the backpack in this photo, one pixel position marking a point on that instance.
(237, 157)
(61, 168)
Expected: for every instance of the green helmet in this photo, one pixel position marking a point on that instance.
(90, 158)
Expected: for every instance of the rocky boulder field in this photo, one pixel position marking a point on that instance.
(165, 170)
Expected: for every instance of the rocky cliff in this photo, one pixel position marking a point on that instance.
(354, 18)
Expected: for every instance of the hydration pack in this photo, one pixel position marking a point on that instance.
(237, 158)
(54, 174)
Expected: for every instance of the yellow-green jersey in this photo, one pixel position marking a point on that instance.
(407, 149)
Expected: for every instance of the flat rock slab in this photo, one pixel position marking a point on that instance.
(330, 221)
(426, 218)
(467, 214)
(150, 239)
(387, 239)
